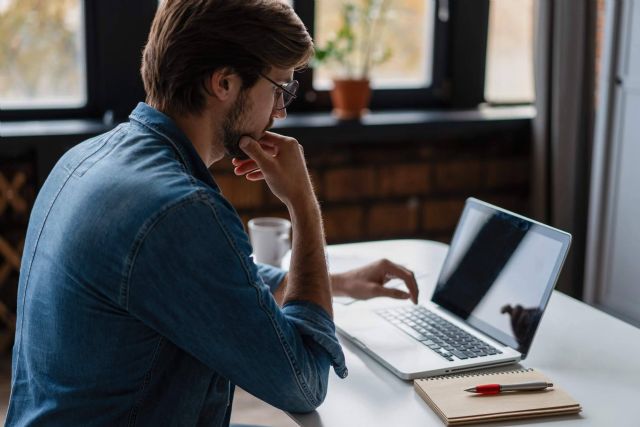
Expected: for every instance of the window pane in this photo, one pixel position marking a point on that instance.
(42, 55)
(509, 74)
(410, 63)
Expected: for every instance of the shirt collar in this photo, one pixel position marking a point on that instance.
(164, 126)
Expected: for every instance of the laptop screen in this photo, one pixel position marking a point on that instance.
(499, 272)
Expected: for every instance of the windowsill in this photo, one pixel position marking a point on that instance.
(376, 126)
(405, 124)
(43, 128)
(411, 117)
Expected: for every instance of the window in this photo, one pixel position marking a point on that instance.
(42, 54)
(509, 73)
(417, 36)
(410, 52)
(51, 68)
(72, 59)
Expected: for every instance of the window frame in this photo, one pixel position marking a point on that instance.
(469, 27)
(119, 29)
(451, 86)
(113, 29)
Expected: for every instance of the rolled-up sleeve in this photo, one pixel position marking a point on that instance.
(193, 280)
(312, 321)
(270, 275)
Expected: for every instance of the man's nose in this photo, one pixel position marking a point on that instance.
(279, 114)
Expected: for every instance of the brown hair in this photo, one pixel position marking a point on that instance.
(190, 39)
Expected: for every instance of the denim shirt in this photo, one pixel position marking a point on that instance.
(139, 302)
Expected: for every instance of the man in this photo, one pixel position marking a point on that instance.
(139, 303)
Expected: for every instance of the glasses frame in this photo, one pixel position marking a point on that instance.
(283, 87)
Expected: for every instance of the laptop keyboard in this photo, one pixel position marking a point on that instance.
(433, 331)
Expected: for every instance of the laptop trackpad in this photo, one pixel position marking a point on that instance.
(388, 342)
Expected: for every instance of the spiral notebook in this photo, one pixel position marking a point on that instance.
(446, 396)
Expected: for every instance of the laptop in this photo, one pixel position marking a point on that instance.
(490, 294)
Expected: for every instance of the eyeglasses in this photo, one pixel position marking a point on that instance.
(285, 93)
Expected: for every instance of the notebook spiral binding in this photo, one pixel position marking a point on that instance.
(479, 374)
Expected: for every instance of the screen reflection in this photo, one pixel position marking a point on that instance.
(498, 274)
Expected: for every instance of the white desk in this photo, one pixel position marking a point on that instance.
(592, 355)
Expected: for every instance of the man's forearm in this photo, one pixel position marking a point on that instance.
(336, 287)
(308, 278)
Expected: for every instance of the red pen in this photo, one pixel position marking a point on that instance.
(499, 388)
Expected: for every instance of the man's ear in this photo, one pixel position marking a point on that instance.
(224, 83)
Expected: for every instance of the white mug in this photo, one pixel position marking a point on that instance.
(270, 239)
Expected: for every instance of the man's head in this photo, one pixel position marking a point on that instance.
(199, 49)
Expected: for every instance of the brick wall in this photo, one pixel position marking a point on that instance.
(398, 189)
(374, 190)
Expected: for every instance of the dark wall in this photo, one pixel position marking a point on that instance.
(394, 176)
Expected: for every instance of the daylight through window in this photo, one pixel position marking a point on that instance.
(42, 54)
(509, 75)
(405, 36)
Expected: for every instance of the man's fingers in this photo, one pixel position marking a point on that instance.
(269, 147)
(274, 138)
(246, 167)
(253, 149)
(406, 275)
(393, 293)
(239, 162)
(256, 175)
(266, 146)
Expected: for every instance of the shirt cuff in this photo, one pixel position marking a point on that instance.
(270, 275)
(313, 321)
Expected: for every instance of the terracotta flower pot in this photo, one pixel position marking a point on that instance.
(350, 98)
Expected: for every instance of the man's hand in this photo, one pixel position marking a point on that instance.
(248, 167)
(279, 160)
(368, 281)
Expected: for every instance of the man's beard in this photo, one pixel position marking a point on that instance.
(231, 132)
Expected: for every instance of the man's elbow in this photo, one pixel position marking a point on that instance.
(307, 394)
(303, 402)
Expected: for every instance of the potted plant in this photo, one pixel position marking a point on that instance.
(355, 48)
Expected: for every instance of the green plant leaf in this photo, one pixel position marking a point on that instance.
(355, 46)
